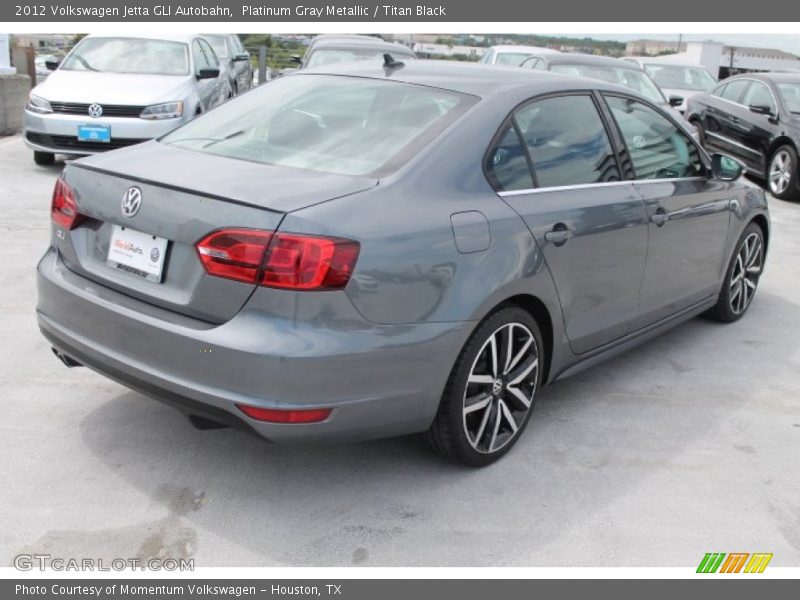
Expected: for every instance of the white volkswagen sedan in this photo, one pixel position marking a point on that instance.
(116, 91)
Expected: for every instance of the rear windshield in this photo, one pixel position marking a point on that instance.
(681, 78)
(511, 58)
(131, 56)
(343, 125)
(633, 79)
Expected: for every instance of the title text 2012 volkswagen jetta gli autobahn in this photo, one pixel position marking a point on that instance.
(392, 250)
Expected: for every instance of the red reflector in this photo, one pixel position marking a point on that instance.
(285, 416)
(303, 262)
(234, 253)
(64, 209)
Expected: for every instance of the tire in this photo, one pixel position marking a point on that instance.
(483, 410)
(44, 158)
(741, 278)
(781, 175)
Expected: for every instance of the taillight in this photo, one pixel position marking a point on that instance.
(64, 209)
(285, 416)
(234, 253)
(283, 260)
(302, 262)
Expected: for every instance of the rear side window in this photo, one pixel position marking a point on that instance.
(506, 164)
(567, 142)
(657, 147)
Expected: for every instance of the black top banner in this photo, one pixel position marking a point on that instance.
(398, 11)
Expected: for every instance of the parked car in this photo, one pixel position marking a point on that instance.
(512, 56)
(330, 49)
(112, 91)
(612, 70)
(234, 59)
(424, 258)
(755, 118)
(675, 79)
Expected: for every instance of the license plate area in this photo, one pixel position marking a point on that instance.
(94, 133)
(140, 254)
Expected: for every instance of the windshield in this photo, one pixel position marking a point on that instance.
(790, 93)
(681, 78)
(133, 56)
(633, 79)
(332, 124)
(327, 56)
(511, 58)
(218, 44)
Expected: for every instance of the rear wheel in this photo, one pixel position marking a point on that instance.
(741, 279)
(782, 173)
(44, 158)
(489, 396)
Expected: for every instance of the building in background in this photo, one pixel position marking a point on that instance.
(50, 41)
(448, 51)
(724, 61)
(652, 47)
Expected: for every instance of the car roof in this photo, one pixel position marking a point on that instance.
(531, 49)
(356, 41)
(590, 59)
(774, 76)
(169, 37)
(468, 78)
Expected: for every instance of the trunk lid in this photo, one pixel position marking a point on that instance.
(184, 196)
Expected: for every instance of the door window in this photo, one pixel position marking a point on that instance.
(657, 147)
(211, 56)
(758, 94)
(733, 90)
(200, 59)
(567, 141)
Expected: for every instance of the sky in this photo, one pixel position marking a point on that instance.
(787, 43)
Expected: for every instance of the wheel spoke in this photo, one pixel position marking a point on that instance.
(518, 357)
(493, 351)
(516, 379)
(481, 402)
(482, 379)
(482, 427)
(509, 417)
(496, 429)
(517, 393)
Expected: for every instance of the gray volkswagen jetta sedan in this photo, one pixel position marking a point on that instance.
(382, 249)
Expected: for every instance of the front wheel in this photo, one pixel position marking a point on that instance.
(741, 278)
(782, 173)
(489, 395)
(44, 158)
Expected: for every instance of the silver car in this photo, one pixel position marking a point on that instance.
(381, 249)
(113, 91)
(235, 61)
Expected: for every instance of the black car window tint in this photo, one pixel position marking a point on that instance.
(658, 148)
(567, 142)
(506, 164)
(758, 94)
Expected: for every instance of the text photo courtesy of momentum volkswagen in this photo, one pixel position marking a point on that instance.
(371, 245)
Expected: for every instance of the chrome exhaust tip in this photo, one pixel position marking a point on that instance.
(69, 362)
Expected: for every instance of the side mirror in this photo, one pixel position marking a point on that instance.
(52, 63)
(761, 109)
(207, 73)
(296, 59)
(725, 168)
(675, 101)
(241, 57)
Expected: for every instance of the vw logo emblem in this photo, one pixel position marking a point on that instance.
(95, 111)
(131, 202)
(497, 387)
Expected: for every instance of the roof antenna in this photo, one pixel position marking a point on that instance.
(390, 64)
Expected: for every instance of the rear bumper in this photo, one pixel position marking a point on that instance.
(57, 132)
(381, 381)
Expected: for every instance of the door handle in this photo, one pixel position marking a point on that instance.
(559, 235)
(735, 119)
(659, 217)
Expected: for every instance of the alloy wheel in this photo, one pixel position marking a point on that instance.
(500, 388)
(746, 271)
(780, 172)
